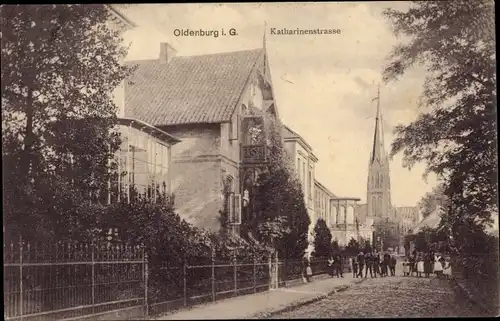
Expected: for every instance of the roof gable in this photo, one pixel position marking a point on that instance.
(189, 89)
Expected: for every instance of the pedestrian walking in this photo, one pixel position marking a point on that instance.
(392, 265)
(420, 265)
(354, 267)
(361, 263)
(369, 265)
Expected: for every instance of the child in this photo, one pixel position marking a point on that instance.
(354, 267)
(309, 272)
(406, 267)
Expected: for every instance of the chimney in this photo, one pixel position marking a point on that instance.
(167, 52)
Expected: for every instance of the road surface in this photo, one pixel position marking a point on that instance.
(390, 297)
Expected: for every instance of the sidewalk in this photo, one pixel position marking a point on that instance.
(266, 303)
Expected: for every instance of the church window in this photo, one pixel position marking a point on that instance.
(374, 205)
(381, 179)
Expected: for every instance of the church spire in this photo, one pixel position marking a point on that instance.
(378, 150)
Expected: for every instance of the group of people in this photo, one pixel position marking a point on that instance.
(373, 263)
(427, 264)
(335, 267)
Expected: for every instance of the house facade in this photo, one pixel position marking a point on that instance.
(144, 157)
(204, 101)
(303, 161)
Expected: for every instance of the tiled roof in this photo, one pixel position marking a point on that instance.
(188, 89)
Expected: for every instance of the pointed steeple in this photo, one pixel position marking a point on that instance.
(378, 150)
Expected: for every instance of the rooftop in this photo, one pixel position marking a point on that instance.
(189, 89)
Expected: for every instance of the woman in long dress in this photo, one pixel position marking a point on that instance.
(428, 264)
(438, 268)
(420, 265)
(447, 269)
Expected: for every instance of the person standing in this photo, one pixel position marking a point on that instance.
(406, 267)
(386, 263)
(438, 268)
(376, 264)
(369, 265)
(354, 267)
(420, 265)
(309, 272)
(330, 266)
(392, 265)
(447, 272)
(361, 263)
(428, 262)
(338, 265)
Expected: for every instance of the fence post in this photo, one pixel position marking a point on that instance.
(146, 274)
(21, 301)
(184, 276)
(254, 273)
(92, 248)
(213, 274)
(235, 274)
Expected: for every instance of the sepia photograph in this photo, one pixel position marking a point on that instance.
(287, 160)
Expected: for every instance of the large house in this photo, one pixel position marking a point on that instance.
(204, 101)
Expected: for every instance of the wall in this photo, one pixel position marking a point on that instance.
(196, 173)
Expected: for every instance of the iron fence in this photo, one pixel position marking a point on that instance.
(209, 280)
(68, 280)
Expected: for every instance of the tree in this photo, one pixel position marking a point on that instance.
(322, 239)
(353, 247)
(388, 233)
(456, 136)
(278, 194)
(60, 65)
(335, 246)
(431, 200)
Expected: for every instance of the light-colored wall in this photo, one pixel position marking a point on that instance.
(197, 173)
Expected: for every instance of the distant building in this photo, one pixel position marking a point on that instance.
(378, 196)
(203, 101)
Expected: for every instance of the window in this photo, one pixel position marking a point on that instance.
(304, 176)
(298, 167)
(142, 166)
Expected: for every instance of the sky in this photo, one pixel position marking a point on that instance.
(324, 84)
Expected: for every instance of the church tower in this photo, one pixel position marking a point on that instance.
(378, 194)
